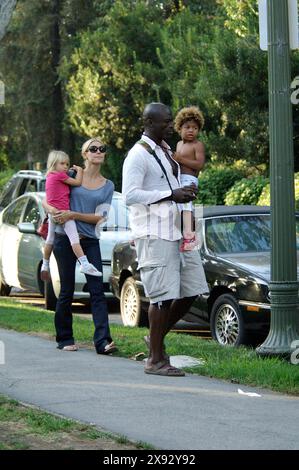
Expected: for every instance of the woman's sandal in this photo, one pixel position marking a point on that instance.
(109, 349)
(70, 347)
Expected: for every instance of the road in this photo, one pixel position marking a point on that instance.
(114, 314)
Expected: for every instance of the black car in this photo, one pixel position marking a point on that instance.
(235, 253)
(24, 181)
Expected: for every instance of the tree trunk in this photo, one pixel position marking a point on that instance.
(58, 106)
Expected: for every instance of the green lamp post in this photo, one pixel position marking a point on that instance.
(284, 327)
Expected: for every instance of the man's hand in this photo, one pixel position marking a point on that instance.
(185, 194)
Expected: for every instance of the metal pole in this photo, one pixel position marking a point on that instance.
(284, 327)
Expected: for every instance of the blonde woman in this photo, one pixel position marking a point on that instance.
(58, 184)
(89, 206)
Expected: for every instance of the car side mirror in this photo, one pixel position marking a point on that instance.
(27, 227)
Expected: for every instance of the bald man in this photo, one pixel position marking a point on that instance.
(152, 190)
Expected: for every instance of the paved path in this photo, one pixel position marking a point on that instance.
(189, 412)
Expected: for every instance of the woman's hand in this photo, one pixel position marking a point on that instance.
(63, 216)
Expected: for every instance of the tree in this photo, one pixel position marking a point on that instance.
(6, 11)
(115, 72)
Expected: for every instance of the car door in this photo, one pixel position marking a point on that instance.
(30, 248)
(9, 242)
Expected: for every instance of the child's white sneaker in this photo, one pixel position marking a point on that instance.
(90, 269)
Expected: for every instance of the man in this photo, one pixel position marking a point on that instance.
(151, 187)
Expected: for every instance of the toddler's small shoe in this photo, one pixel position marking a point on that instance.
(44, 275)
(90, 269)
(188, 244)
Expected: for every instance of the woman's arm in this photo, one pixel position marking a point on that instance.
(63, 216)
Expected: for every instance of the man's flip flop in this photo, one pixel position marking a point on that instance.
(165, 369)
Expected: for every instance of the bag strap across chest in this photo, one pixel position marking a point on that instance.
(153, 153)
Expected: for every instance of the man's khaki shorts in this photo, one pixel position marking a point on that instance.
(166, 273)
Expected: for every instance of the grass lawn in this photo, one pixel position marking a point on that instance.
(239, 365)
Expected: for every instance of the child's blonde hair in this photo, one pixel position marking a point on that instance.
(190, 113)
(56, 156)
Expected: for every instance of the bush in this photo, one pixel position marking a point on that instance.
(246, 191)
(214, 183)
(264, 199)
(4, 177)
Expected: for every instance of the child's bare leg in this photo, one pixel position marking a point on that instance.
(189, 238)
(188, 224)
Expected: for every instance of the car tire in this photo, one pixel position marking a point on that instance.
(50, 297)
(227, 323)
(131, 310)
(4, 289)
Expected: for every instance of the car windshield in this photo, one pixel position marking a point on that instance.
(240, 234)
(118, 218)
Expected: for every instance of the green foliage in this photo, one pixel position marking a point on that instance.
(77, 68)
(5, 177)
(115, 72)
(214, 183)
(264, 199)
(246, 191)
(3, 160)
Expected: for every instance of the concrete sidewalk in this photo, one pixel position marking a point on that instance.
(182, 413)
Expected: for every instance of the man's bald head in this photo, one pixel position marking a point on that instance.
(154, 111)
(158, 122)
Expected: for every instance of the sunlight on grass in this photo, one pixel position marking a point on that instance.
(239, 365)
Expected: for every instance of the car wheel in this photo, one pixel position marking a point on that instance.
(4, 289)
(50, 297)
(227, 324)
(132, 313)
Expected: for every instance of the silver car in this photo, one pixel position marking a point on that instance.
(21, 248)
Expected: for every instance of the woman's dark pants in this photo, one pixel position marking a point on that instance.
(66, 261)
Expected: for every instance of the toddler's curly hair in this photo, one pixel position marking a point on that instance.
(187, 114)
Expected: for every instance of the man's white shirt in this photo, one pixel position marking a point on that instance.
(144, 183)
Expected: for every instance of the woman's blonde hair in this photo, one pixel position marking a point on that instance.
(87, 144)
(56, 156)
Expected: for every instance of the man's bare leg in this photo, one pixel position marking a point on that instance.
(178, 309)
(158, 322)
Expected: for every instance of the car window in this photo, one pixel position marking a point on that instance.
(13, 213)
(22, 188)
(8, 191)
(41, 185)
(32, 213)
(118, 218)
(237, 234)
(31, 186)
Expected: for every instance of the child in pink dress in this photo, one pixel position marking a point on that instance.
(58, 184)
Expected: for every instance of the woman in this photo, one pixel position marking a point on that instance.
(89, 205)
